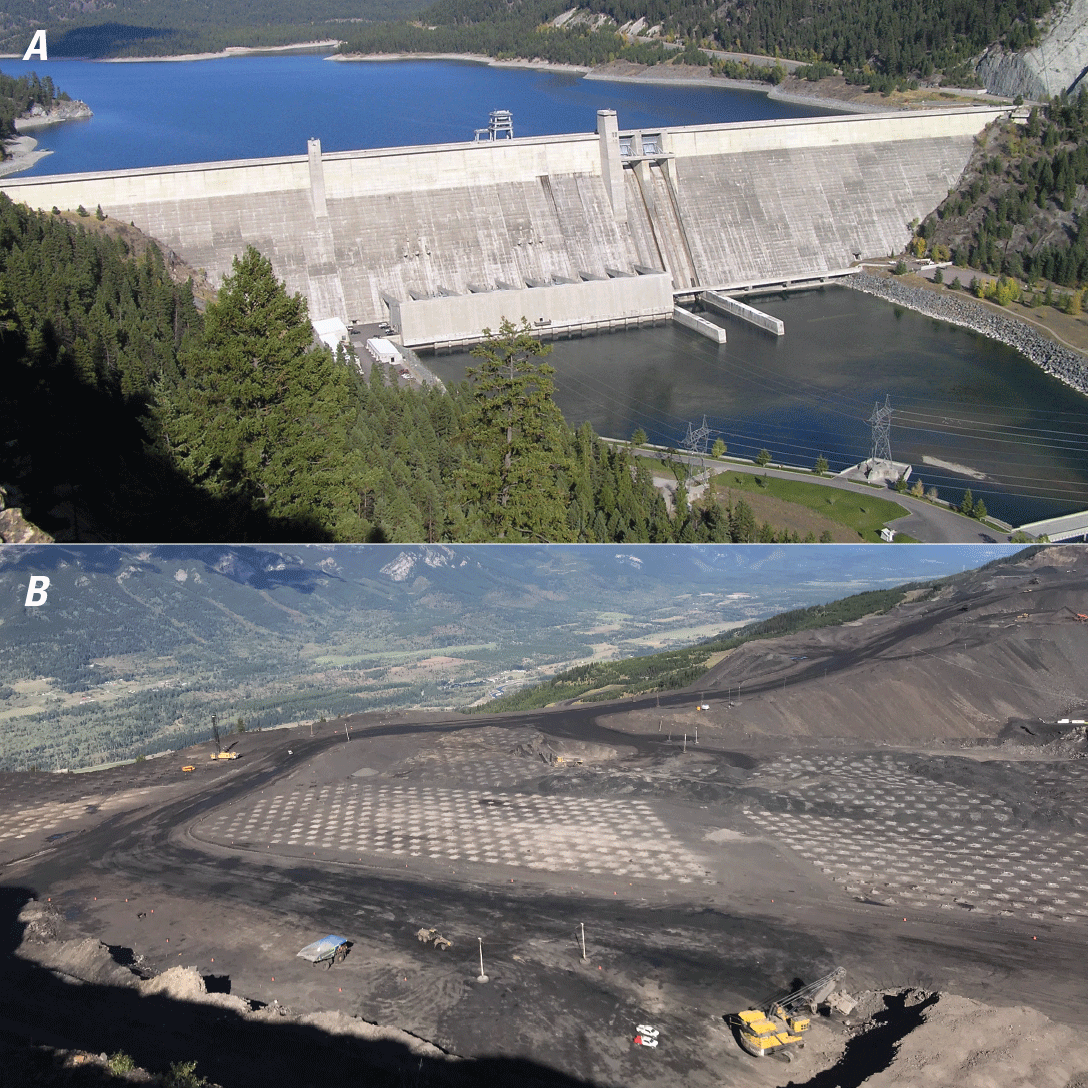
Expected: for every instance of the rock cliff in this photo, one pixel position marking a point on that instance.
(1059, 63)
(14, 528)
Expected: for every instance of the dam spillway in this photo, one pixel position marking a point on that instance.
(586, 230)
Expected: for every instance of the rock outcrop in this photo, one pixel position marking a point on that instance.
(14, 528)
(1059, 63)
(63, 110)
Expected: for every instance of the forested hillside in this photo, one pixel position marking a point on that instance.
(868, 39)
(127, 414)
(521, 29)
(893, 37)
(1021, 208)
(871, 40)
(170, 27)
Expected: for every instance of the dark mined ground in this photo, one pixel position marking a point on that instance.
(915, 815)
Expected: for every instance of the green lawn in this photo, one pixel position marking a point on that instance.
(865, 513)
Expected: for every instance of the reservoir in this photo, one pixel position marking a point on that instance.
(162, 113)
(1016, 437)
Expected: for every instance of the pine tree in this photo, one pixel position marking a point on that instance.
(742, 523)
(261, 415)
(519, 468)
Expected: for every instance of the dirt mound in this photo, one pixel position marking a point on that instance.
(1038, 796)
(187, 984)
(89, 960)
(555, 750)
(926, 1039)
(42, 922)
(963, 1042)
(1071, 745)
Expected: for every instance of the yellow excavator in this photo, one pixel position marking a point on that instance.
(778, 1025)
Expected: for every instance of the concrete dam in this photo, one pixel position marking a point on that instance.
(572, 232)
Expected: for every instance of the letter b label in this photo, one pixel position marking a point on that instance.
(36, 592)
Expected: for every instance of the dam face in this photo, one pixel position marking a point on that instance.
(584, 230)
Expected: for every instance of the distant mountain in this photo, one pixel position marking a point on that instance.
(137, 646)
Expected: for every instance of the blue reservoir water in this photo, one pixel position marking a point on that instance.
(159, 113)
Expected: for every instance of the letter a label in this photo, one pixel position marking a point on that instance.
(37, 47)
(36, 592)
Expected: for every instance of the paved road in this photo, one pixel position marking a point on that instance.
(925, 522)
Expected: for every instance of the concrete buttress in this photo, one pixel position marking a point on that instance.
(608, 131)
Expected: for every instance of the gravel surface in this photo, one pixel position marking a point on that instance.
(1063, 363)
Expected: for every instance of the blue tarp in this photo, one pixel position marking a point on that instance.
(323, 949)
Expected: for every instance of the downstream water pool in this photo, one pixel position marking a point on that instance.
(957, 397)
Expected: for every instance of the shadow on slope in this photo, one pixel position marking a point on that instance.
(42, 1008)
(104, 39)
(79, 455)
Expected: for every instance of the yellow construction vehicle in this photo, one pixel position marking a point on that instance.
(188, 769)
(220, 752)
(778, 1025)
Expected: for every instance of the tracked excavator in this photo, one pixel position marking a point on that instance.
(778, 1025)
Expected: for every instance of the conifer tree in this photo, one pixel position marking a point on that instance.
(742, 523)
(261, 415)
(518, 468)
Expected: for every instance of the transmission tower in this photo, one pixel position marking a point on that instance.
(881, 421)
(695, 442)
(696, 439)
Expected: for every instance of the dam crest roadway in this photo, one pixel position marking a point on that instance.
(573, 232)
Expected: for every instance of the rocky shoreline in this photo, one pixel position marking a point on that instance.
(20, 154)
(63, 110)
(1068, 366)
(21, 151)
